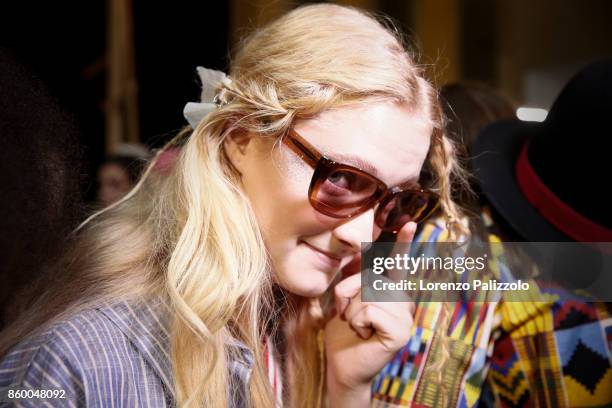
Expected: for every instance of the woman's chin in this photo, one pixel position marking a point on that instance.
(307, 284)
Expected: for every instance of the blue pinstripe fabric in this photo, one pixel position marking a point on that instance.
(111, 356)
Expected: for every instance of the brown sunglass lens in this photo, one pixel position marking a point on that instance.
(403, 207)
(342, 191)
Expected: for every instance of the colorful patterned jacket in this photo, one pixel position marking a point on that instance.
(508, 354)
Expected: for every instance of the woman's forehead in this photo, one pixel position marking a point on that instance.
(387, 140)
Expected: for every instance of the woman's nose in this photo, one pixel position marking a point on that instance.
(353, 231)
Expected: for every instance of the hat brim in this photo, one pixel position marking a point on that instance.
(494, 156)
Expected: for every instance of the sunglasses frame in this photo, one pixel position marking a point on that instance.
(324, 166)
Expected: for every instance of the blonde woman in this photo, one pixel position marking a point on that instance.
(213, 282)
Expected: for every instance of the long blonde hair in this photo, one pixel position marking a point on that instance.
(190, 235)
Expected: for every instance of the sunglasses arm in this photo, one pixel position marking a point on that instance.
(302, 148)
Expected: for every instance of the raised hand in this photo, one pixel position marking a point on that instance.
(363, 337)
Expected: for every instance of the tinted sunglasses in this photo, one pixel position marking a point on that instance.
(342, 191)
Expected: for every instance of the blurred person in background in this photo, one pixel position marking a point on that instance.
(542, 182)
(40, 179)
(120, 172)
(469, 107)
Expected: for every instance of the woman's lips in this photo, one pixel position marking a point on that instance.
(329, 259)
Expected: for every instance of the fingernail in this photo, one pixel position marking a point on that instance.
(366, 333)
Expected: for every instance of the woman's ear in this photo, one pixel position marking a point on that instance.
(237, 145)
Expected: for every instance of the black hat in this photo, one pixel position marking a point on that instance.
(551, 181)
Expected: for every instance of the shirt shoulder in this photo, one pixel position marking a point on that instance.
(90, 356)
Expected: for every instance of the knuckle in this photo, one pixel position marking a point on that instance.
(338, 292)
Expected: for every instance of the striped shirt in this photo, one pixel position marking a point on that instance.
(116, 355)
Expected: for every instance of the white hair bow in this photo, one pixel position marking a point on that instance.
(211, 80)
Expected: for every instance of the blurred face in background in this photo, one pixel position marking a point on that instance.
(307, 248)
(114, 182)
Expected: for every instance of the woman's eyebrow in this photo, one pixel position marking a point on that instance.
(355, 161)
(365, 165)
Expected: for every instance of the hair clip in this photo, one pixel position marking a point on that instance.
(210, 97)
